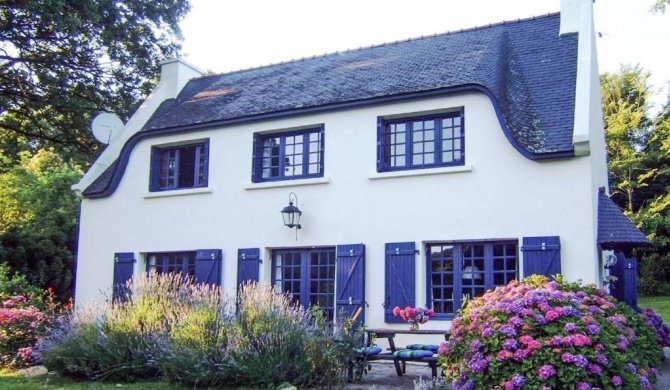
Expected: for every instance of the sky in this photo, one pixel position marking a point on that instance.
(227, 35)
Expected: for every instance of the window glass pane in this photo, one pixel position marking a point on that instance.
(283, 155)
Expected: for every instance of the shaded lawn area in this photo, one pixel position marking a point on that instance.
(11, 380)
(661, 305)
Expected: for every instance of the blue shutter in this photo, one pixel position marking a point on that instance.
(350, 288)
(154, 177)
(541, 256)
(208, 266)
(248, 262)
(380, 150)
(124, 263)
(257, 159)
(399, 278)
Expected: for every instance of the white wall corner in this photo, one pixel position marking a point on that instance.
(175, 73)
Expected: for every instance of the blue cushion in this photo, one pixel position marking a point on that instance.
(367, 351)
(425, 347)
(412, 353)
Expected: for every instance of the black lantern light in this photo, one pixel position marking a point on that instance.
(291, 213)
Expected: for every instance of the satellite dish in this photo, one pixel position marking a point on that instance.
(105, 126)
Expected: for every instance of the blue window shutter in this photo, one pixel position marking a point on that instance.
(380, 150)
(124, 263)
(399, 278)
(350, 288)
(257, 159)
(248, 261)
(541, 256)
(208, 266)
(155, 174)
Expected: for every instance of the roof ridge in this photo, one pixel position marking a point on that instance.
(410, 39)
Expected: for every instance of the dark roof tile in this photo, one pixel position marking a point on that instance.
(615, 230)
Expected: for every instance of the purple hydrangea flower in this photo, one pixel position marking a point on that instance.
(567, 357)
(479, 365)
(617, 381)
(508, 330)
(592, 329)
(631, 367)
(516, 322)
(540, 319)
(644, 381)
(510, 344)
(580, 361)
(475, 345)
(583, 386)
(595, 370)
(488, 332)
(547, 371)
(570, 327)
(602, 359)
(518, 381)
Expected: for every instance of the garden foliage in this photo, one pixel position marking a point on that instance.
(25, 313)
(541, 334)
(172, 328)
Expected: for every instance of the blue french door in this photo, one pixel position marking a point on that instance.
(308, 275)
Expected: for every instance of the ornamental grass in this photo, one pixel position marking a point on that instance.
(542, 334)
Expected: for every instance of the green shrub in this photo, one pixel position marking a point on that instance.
(543, 334)
(188, 333)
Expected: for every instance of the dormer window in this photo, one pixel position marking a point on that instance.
(179, 167)
(421, 142)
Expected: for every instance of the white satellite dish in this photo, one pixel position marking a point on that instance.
(105, 126)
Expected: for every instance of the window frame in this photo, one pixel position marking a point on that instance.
(412, 141)
(305, 295)
(282, 157)
(188, 262)
(200, 161)
(488, 275)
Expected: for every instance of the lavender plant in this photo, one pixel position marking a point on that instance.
(541, 334)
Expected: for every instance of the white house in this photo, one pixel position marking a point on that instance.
(426, 170)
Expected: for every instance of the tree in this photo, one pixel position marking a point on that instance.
(625, 103)
(638, 150)
(61, 62)
(38, 220)
(660, 6)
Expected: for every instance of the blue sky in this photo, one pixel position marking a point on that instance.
(228, 35)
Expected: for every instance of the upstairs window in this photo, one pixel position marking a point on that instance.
(291, 155)
(183, 166)
(421, 142)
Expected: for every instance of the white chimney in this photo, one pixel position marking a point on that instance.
(175, 73)
(571, 11)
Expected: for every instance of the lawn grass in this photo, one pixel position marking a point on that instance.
(661, 305)
(12, 380)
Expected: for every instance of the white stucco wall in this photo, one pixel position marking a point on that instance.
(499, 194)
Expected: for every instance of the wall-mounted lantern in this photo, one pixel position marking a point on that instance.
(291, 214)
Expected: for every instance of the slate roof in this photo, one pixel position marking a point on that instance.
(525, 68)
(615, 230)
(528, 68)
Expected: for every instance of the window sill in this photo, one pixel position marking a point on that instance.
(287, 183)
(186, 191)
(420, 172)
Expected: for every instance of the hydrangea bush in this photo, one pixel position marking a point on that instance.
(20, 325)
(542, 334)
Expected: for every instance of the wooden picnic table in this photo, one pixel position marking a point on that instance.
(399, 362)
